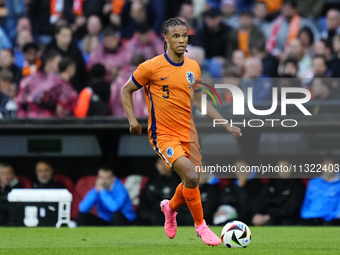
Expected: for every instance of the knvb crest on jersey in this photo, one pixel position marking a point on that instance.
(169, 152)
(190, 77)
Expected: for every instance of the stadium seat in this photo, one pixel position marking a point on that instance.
(134, 184)
(83, 185)
(66, 181)
(223, 182)
(24, 181)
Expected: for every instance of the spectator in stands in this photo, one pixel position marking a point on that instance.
(5, 42)
(161, 186)
(332, 24)
(334, 65)
(281, 199)
(260, 11)
(94, 32)
(64, 45)
(7, 183)
(324, 48)
(43, 15)
(269, 62)
(26, 106)
(24, 37)
(56, 95)
(304, 61)
(112, 54)
(6, 78)
(214, 35)
(262, 86)
(239, 199)
(45, 177)
(145, 42)
(321, 204)
(139, 105)
(186, 13)
(7, 63)
(306, 38)
(133, 13)
(286, 27)
(323, 89)
(80, 14)
(94, 27)
(198, 54)
(94, 100)
(248, 32)
(230, 17)
(32, 60)
(319, 66)
(111, 199)
(238, 59)
(89, 44)
(290, 68)
(15, 10)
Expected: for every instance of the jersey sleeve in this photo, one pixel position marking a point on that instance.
(142, 75)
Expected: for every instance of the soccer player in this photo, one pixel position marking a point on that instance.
(170, 89)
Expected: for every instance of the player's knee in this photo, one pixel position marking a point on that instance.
(190, 179)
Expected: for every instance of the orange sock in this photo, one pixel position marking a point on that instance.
(193, 199)
(177, 201)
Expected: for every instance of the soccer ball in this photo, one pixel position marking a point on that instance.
(236, 234)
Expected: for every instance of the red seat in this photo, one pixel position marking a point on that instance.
(66, 181)
(83, 185)
(223, 182)
(24, 181)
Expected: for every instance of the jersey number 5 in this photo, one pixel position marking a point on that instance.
(166, 89)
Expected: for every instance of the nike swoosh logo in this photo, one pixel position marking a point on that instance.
(162, 79)
(191, 199)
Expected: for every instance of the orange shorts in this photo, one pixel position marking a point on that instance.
(171, 150)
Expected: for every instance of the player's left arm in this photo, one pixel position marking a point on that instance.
(213, 114)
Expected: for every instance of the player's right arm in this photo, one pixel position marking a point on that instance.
(126, 95)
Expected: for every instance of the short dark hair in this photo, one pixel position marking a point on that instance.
(328, 43)
(291, 60)
(106, 169)
(60, 27)
(309, 32)
(142, 28)
(64, 63)
(293, 3)
(137, 59)
(29, 46)
(111, 31)
(98, 71)
(259, 45)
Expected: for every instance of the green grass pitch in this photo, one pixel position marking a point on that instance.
(152, 240)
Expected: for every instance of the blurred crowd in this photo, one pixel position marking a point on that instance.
(63, 58)
(105, 200)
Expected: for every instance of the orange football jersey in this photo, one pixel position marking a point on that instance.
(169, 89)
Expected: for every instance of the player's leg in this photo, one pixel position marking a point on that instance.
(190, 178)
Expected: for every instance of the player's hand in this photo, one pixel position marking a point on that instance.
(136, 129)
(235, 131)
(99, 185)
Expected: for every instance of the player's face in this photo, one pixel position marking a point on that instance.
(177, 39)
